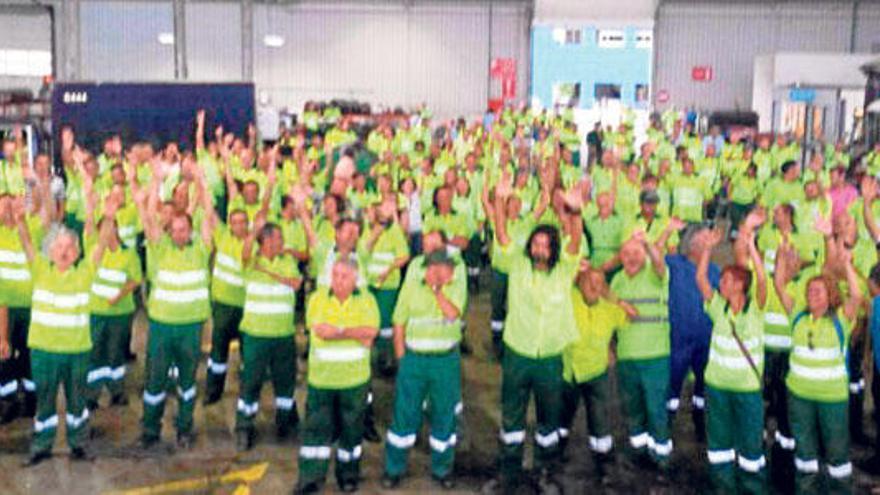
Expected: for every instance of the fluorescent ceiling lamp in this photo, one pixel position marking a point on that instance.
(273, 41)
(166, 38)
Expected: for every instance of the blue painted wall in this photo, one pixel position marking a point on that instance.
(587, 64)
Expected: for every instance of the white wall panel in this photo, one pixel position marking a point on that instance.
(387, 53)
(119, 41)
(213, 41)
(24, 28)
(729, 36)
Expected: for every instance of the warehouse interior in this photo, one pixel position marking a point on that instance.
(805, 69)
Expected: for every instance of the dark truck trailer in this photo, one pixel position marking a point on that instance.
(153, 112)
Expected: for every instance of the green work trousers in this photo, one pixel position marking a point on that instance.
(644, 389)
(817, 423)
(596, 394)
(110, 337)
(52, 370)
(170, 345)
(521, 377)
(735, 432)
(332, 413)
(277, 356)
(437, 379)
(224, 328)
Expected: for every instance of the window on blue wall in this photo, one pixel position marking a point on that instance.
(610, 38)
(644, 39)
(606, 91)
(565, 36)
(566, 94)
(641, 93)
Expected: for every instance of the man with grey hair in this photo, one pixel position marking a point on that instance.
(691, 329)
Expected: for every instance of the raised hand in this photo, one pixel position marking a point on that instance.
(823, 226)
(869, 189)
(676, 223)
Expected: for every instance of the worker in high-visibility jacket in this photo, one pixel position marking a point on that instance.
(59, 336)
(817, 380)
(16, 285)
(178, 269)
(343, 322)
(735, 370)
(267, 328)
(427, 326)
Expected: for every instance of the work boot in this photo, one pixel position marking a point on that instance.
(498, 345)
(81, 454)
(603, 467)
(119, 399)
(308, 488)
(29, 405)
(390, 482)
(348, 486)
(8, 410)
(871, 465)
(856, 426)
(186, 441)
(445, 482)
(214, 385)
(36, 457)
(244, 439)
(782, 469)
(147, 442)
(370, 433)
(283, 429)
(547, 483)
(699, 417)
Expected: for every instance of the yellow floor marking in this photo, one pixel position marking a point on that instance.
(242, 477)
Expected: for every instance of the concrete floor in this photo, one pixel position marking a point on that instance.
(214, 466)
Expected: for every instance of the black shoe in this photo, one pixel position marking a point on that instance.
(446, 482)
(36, 458)
(244, 440)
(870, 465)
(547, 483)
(370, 433)
(119, 399)
(282, 431)
(465, 347)
(8, 411)
(699, 417)
(81, 454)
(130, 357)
(349, 486)
(212, 397)
(147, 442)
(29, 405)
(390, 482)
(859, 438)
(92, 405)
(308, 488)
(185, 441)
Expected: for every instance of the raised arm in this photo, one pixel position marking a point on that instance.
(851, 306)
(713, 238)
(869, 194)
(105, 233)
(150, 218)
(782, 274)
(200, 130)
(748, 234)
(24, 234)
(502, 192)
(673, 226)
(657, 261)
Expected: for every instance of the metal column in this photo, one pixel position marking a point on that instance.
(247, 40)
(181, 71)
